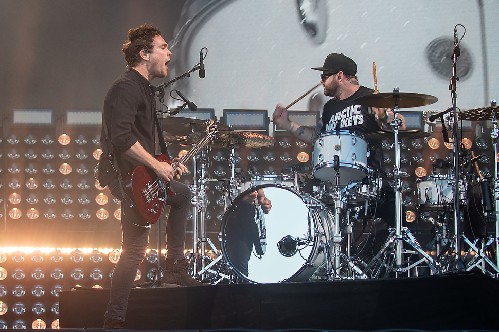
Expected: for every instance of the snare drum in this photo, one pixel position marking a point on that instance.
(287, 244)
(350, 152)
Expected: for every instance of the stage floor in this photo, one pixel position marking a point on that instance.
(446, 302)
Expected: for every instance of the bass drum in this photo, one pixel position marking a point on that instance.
(287, 244)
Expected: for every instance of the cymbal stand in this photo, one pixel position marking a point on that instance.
(399, 235)
(481, 259)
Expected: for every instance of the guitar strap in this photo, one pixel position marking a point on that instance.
(161, 139)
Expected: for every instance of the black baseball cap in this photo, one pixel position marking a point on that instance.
(336, 62)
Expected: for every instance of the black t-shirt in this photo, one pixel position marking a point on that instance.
(347, 115)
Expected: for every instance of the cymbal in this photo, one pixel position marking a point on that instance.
(400, 99)
(178, 126)
(479, 114)
(236, 139)
(390, 134)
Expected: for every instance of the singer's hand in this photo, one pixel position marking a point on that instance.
(181, 169)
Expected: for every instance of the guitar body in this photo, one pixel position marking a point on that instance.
(149, 192)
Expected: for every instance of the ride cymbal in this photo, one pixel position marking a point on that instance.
(390, 134)
(396, 99)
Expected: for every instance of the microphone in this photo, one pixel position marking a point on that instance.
(202, 72)
(439, 114)
(457, 50)
(189, 103)
(287, 246)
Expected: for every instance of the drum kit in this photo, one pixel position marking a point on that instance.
(307, 234)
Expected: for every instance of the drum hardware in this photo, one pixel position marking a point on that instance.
(482, 254)
(399, 235)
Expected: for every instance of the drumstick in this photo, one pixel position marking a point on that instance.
(302, 96)
(375, 78)
(476, 166)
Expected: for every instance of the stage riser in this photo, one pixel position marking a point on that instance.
(439, 302)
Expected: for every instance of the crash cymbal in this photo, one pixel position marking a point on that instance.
(479, 114)
(400, 99)
(390, 134)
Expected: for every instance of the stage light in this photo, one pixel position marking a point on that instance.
(418, 157)
(56, 290)
(138, 275)
(38, 324)
(3, 273)
(433, 143)
(417, 144)
(55, 308)
(82, 170)
(38, 308)
(3, 290)
(97, 153)
(219, 156)
(84, 215)
(30, 154)
(55, 324)
(49, 199)
(152, 256)
(47, 140)
(56, 257)
(38, 274)
(32, 199)
(269, 157)
(303, 157)
(84, 200)
(57, 274)
(14, 169)
(14, 184)
(449, 145)
(81, 140)
(18, 291)
(102, 214)
(15, 213)
(77, 274)
(19, 308)
(67, 200)
(14, 198)
(96, 257)
(284, 143)
(96, 274)
(65, 169)
(50, 214)
(117, 214)
(410, 216)
(13, 140)
(32, 214)
(285, 157)
(151, 274)
(114, 256)
(64, 139)
(65, 184)
(83, 185)
(32, 184)
(38, 291)
(220, 171)
(19, 324)
(420, 172)
(3, 308)
(101, 199)
(48, 155)
(76, 256)
(31, 169)
(481, 143)
(13, 154)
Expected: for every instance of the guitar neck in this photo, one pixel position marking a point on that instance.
(192, 152)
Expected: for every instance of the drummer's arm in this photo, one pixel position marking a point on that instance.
(304, 133)
(384, 116)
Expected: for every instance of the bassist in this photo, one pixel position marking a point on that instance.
(129, 115)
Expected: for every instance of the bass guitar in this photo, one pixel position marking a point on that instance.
(150, 192)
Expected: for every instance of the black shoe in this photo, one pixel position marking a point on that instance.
(110, 323)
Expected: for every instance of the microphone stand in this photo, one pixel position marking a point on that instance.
(458, 264)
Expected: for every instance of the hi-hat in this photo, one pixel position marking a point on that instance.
(479, 114)
(396, 99)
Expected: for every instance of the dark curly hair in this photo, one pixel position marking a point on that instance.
(139, 38)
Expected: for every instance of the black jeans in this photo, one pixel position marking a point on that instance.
(135, 240)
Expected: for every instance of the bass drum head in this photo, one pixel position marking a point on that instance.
(254, 246)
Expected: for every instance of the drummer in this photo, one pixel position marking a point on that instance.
(341, 112)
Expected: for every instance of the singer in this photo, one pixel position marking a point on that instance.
(129, 116)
